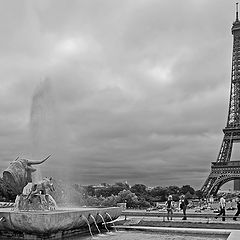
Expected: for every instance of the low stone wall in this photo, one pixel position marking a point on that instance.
(194, 220)
(182, 224)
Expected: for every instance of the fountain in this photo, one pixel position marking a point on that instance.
(110, 217)
(35, 213)
(95, 223)
(89, 227)
(104, 223)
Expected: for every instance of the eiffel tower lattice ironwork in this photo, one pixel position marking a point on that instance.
(224, 170)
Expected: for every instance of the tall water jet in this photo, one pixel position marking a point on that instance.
(48, 132)
(42, 116)
(48, 129)
(42, 121)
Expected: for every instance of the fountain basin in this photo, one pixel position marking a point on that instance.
(51, 222)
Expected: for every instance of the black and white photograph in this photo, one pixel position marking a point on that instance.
(120, 119)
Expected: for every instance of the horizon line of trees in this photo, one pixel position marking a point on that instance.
(136, 196)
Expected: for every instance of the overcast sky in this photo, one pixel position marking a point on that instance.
(130, 90)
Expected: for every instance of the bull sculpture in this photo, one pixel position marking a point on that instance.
(19, 174)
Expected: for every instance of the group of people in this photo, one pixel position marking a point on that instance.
(222, 207)
(183, 203)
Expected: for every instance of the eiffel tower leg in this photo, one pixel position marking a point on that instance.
(207, 186)
(212, 183)
(226, 149)
(215, 188)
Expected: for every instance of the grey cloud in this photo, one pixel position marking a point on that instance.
(140, 88)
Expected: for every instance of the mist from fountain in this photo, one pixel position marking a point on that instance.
(47, 128)
(41, 122)
(47, 132)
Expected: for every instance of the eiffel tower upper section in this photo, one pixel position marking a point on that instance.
(233, 121)
(232, 129)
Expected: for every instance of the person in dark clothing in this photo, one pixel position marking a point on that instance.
(183, 202)
(238, 209)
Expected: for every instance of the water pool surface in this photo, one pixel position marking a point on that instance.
(138, 235)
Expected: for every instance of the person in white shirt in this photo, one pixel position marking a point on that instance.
(222, 205)
(169, 205)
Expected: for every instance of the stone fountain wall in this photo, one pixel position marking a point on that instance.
(57, 223)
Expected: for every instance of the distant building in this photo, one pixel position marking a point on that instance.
(100, 186)
(236, 186)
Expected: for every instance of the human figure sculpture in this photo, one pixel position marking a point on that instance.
(36, 196)
(40, 190)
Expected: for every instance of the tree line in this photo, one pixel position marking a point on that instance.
(136, 196)
(107, 195)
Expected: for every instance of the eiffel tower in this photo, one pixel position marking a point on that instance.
(224, 170)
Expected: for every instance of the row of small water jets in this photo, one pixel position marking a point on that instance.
(95, 223)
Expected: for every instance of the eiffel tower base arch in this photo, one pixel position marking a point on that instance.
(221, 173)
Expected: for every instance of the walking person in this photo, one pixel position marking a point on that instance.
(183, 202)
(222, 205)
(211, 200)
(238, 209)
(170, 205)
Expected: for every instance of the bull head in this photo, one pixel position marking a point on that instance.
(19, 174)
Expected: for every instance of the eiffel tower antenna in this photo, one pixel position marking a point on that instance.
(237, 12)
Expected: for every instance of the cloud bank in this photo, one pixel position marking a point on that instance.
(126, 90)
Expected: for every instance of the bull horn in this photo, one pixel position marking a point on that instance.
(32, 162)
